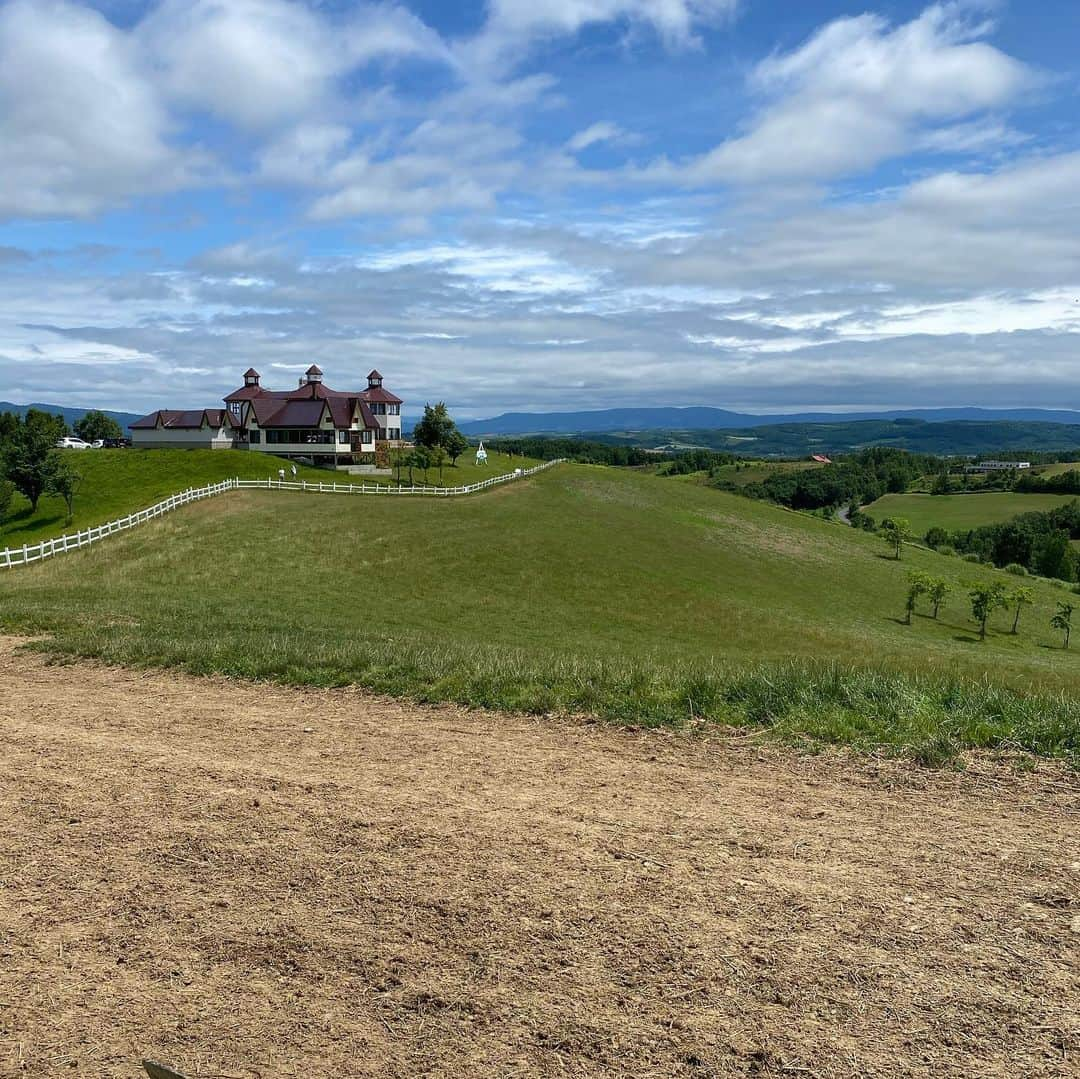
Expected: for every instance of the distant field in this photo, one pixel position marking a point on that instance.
(955, 512)
(585, 589)
(117, 482)
(1056, 469)
(744, 474)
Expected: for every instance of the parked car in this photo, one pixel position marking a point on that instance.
(70, 442)
(116, 443)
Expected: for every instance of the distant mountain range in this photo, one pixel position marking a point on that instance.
(630, 420)
(70, 414)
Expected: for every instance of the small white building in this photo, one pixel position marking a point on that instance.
(998, 466)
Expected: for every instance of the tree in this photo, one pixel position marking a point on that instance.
(455, 445)
(1063, 621)
(942, 485)
(985, 599)
(918, 584)
(1053, 556)
(96, 425)
(897, 531)
(7, 493)
(1019, 598)
(438, 460)
(65, 482)
(400, 461)
(31, 456)
(938, 592)
(422, 460)
(434, 428)
(936, 537)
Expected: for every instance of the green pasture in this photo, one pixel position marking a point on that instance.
(583, 589)
(118, 482)
(959, 512)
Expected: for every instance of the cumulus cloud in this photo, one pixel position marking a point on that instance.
(861, 91)
(82, 125)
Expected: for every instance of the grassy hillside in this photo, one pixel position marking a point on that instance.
(956, 512)
(585, 589)
(117, 482)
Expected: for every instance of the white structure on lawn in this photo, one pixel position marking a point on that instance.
(312, 423)
(481, 454)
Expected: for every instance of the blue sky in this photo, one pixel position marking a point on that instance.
(542, 204)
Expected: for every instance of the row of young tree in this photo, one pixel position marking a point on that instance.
(984, 598)
(31, 465)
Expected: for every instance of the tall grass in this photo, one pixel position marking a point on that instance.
(803, 702)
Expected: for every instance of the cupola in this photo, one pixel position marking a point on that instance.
(374, 380)
(251, 377)
(314, 373)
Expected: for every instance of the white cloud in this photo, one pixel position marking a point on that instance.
(860, 91)
(598, 132)
(81, 124)
(263, 63)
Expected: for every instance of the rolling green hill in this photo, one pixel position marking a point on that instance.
(584, 589)
(118, 482)
(957, 512)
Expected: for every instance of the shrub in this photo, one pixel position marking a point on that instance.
(946, 549)
(7, 493)
(936, 537)
(1016, 569)
(972, 557)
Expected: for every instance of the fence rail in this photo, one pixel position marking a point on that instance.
(73, 541)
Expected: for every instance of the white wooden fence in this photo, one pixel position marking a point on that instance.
(35, 552)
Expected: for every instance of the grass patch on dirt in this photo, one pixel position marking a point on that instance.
(582, 590)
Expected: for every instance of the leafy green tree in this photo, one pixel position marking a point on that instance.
(918, 585)
(7, 493)
(31, 458)
(96, 425)
(455, 445)
(65, 482)
(438, 460)
(897, 532)
(1063, 621)
(1053, 556)
(985, 599)
(434, 428)
(938, 592)
(399, 460)
(942, 484)
(936, 537)
(1020, 597)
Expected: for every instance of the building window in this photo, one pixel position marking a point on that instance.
(366, 438)
(394, 410)
(393, 433)
(235, 407)
(343, 437)
(378, 408)
(254, 436)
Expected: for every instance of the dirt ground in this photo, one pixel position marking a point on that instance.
(256, 882)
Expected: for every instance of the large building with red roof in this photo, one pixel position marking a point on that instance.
(312, 422)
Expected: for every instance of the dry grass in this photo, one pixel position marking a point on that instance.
(187, 873)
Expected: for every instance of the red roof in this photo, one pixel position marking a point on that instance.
(377, 393)
(251, 373)
(373, 373)
(183, 419)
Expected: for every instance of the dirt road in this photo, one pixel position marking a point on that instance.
(256, 882)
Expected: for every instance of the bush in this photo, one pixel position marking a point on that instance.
(972, 557)
(1016, 569)
(946, 548)
(936, 537)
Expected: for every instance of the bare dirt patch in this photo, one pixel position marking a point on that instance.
(260, 882)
